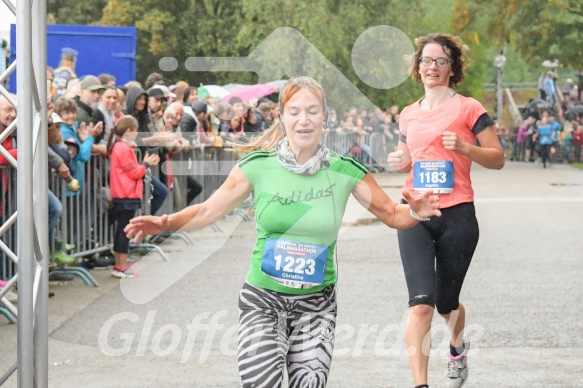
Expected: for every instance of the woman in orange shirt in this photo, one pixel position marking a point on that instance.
(437, 146)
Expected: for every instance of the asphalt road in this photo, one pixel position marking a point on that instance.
(175, 325)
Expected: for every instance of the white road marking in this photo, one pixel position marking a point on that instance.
(529, 199)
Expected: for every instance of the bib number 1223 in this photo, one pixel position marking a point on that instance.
(294, 264)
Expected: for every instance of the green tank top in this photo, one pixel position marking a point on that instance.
(299, 208)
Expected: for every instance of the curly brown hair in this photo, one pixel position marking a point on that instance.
(65, 104)
(457, 54)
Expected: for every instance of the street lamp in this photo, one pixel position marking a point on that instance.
(499, 61)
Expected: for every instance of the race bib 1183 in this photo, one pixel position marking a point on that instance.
(436, 175)
(294, 264)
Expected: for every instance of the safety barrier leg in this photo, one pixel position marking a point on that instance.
(7, 314)
(8, 373)
(9, 311)
(151, 247)
(174, 235)
(241, 213)
(77, 271)
(9, 307)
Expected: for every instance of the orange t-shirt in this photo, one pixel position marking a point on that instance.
(423, 130)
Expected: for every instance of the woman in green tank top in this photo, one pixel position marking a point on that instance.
(300, 190)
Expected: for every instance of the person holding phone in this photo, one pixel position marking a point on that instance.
(125, 176)
(136, 106)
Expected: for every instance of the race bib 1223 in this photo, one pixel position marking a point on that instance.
(294, 264)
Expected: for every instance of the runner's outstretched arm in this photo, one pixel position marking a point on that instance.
(230, 195)
(370, 195)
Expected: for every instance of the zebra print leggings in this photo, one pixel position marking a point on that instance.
(278, 330)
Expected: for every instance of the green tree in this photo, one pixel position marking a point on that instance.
(539, 29)
(236, 28)
(333, 26)
(75, 12)
(179, 29)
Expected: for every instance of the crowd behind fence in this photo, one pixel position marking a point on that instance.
(526, 148)
(86, 222)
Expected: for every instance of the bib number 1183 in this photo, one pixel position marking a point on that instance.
(436, 175)
(432, 177)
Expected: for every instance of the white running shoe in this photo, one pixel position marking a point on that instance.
(121, 273)
(456, 373)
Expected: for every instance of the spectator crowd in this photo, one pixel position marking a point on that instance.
(551, 127)
(172, 120)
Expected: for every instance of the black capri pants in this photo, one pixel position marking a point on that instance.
(436, 255)
(121, 243)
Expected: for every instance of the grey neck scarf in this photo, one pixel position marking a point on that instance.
(108, 116)
(288, 160)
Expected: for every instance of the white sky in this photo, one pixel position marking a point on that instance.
(6, 19)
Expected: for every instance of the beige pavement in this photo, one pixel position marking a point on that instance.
(175, 326)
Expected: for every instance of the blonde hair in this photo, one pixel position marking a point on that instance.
(121, 96)
(169, 110)
(73, 88)
(133, 84)
(276, 132)
(182, 84)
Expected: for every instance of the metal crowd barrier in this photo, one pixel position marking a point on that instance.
(170, 205)
(146, 199)
(8, 242)
(225, 160)
(147, 245)
(8, 220)
(210, 166)
(86, 223)
(370, 149)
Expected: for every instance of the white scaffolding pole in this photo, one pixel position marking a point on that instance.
(32, 208)
(24, 199)
(24, 251)
(32, 224)
(40, 196)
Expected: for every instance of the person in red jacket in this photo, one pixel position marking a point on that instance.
(7, 116)
(126, 186)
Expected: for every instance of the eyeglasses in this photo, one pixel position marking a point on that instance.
(427, 61)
